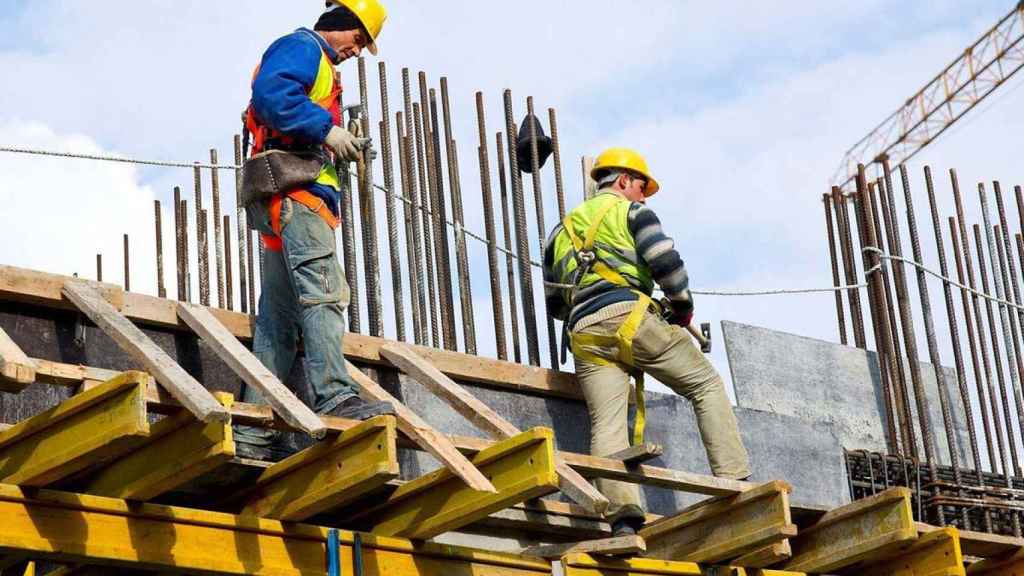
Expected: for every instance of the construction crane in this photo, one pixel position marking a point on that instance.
(983, 67)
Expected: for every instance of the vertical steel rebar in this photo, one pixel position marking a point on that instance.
(826, 200)
(849, 266)
(127, 267)
(262, 258)
(443, 247)
(161, 290)
(487, 198)
(557, 159)
(1016, 321)
(218, 244)
(368, 214)
(513, 308)
(389, 205)
(249, 257)
(945, 400)
(409, 218)
(179, 254)
(519, 204)
(538, 201)
(461, 255)
(228, 280)
(240, 221)
(99, 267)
(416, 187)
(419, 127)
(183, 207)
(202, 241)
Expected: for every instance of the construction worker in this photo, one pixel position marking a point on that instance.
(600, 266)
(295, 107)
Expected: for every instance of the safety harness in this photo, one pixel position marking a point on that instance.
(587, 259)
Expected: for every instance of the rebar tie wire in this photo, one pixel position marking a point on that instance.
(883, 256)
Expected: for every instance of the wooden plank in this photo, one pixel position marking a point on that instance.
(250, 369)
(329, 474)
(177, 450)
(846, 537)
(597, 467)
(486, 419)
(82, 529)
(637, 454)
(521, 468)
(1009, 565)
(934, 554)
(617, 546)
(723, 528)
(423, 434)
(981, 544)
(171, 376)
(767, 556)
(85, 430)
(16, 370)
(580, 564)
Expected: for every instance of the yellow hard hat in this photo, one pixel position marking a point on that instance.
(625, 159)
(372, 15)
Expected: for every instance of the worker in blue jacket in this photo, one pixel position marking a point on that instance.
(295, 107)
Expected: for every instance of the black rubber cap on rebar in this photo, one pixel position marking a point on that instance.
(523, 145)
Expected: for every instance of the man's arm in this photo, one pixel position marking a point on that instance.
(279, 92)
(658, 251)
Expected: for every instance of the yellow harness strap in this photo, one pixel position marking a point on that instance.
(627, 331)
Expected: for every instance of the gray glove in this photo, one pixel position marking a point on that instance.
(344, 144)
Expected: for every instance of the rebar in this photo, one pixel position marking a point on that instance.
(127, 267)
(240, 221)
(389, 205)
(179, 253)
(1010, 269)
(183, 208)
(849, 266)
(415, 180)
(443, 250)
(249, 257)
(954, 332)
(368, 212)
(461, 256)
(557, 159)
(409, 219)
(826, 201)
(161, 290)
(348, 244)
(993, 424)
(945, 400)
(538, 201)
(202, 241)
(506, 227)
(229, 294)
(218, 244)
(99, 267)
(519, 205)
(428, 222)
(492, 240)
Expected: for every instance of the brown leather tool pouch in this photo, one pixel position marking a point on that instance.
(276, 171)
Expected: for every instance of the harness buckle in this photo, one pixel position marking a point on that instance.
(586, 258)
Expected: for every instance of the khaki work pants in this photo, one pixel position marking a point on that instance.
(667, 353)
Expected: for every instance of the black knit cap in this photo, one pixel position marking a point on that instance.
(338, 19)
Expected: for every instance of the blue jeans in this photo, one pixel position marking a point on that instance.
(303, 291)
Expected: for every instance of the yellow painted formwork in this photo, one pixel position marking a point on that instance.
(587, 565)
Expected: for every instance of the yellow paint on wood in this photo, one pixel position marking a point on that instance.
(521, 468)
(723, 528)
(329, 474)
(934, 554)
(179, 448)
(83, 529)
(85, 430)
(587, 565)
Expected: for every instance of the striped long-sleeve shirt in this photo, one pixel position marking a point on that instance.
(654, 250)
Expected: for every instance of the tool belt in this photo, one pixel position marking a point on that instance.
(274, 172)
(273, 241)
(587, 260)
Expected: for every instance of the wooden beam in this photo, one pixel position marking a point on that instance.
(597, 467)
(847, 537)
(934, 554)
(521, 468)
(616, 546)
(171, 376)
(1009, 565)
(767, 556)
(179, 448)
(580, 564)
(981, 544)
(83, 431)
(723, 528)
(329, 474)
(486, 419)
(44, 289)
(16, 370)
(250, 369)
(82, 529)
(423, 434)
(637, 454)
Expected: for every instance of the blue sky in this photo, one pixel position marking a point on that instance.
(743, 109)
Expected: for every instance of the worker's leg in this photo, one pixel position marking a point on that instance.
(668, 353)
(322, 295)
(606, 390)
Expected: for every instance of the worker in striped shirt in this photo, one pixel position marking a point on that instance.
(600, 267)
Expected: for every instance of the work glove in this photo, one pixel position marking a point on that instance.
(344, 144)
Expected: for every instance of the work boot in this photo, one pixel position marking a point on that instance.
(355, 408)
(627, 526)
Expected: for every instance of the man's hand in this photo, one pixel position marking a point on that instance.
(344, 144)
(672, 313)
